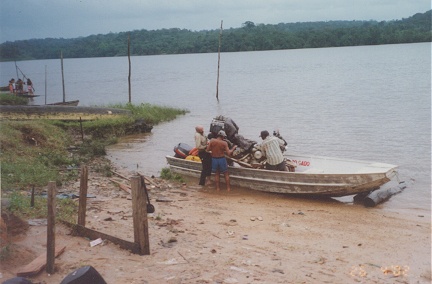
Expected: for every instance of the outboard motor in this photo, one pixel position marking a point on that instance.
(182, 150)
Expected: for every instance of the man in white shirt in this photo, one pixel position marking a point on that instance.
(271, 148)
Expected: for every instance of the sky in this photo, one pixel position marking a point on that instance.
(29, 19)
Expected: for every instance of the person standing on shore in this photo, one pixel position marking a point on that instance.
(11, 86)
(29, 86)
(20, 86)
(218, 148)
(271, 147)
(201, 142)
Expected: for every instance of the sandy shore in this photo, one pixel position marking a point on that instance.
(198, 235)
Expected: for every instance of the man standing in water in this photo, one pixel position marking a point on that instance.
(219, 148)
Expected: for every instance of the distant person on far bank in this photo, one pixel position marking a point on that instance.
(271, 147)
(12, 86)
(218, 148)
(29, 86)
(20, 86)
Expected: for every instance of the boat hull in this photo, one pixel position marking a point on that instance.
(311, 179)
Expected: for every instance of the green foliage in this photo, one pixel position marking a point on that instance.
(105, 169)
(92, 148)
(151, 114)
(168, 175)
(144, 116)
(31, 152)
(35, 152)
(5, 252)
(249, 37)
(20, 206)
(9, 99)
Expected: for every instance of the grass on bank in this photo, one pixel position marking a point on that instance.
(168, 175)
(142, 119)
(38, 151)
(10, 99)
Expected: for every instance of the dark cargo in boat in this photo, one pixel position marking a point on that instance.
(182, 150)
(216, 125)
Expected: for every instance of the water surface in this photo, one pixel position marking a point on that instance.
(370, 102)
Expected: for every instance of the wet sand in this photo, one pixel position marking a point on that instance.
(198, 235)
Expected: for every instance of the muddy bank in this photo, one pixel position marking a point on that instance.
(198, 235)
(59, 112)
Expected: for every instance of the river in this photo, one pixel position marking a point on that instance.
(368, 102)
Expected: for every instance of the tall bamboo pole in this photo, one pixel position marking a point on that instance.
(45, 84)
(64, 93)
(219, 48)
(129, 77)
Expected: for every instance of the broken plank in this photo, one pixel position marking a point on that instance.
(123, 186)
(120, 175)
(38, 264)
(79, 230)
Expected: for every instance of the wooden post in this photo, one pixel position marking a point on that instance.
(129, 77)
(139, 213)
(81, 127)
(219, 48)
(64, 93)
(51, 227)
(45, 84)
(32, 196)
(83, 196)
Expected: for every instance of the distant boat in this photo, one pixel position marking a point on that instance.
(20, 91)
(26, 95)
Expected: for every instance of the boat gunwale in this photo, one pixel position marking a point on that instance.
(390, 169)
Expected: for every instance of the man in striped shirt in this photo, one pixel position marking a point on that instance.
(271, 148)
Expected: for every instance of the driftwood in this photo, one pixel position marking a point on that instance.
(381, 195)
(39, 263)
(120, 175)
(127, 178)
(123, 186)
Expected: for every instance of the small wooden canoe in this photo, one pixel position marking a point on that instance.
(26, 95)
(315, 176)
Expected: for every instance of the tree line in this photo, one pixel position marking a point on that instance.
(249, 37)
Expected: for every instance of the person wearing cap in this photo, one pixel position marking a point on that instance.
(201, 142)
(218, 148)
(271, 148)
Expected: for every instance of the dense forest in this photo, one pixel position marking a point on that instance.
(249, 37)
